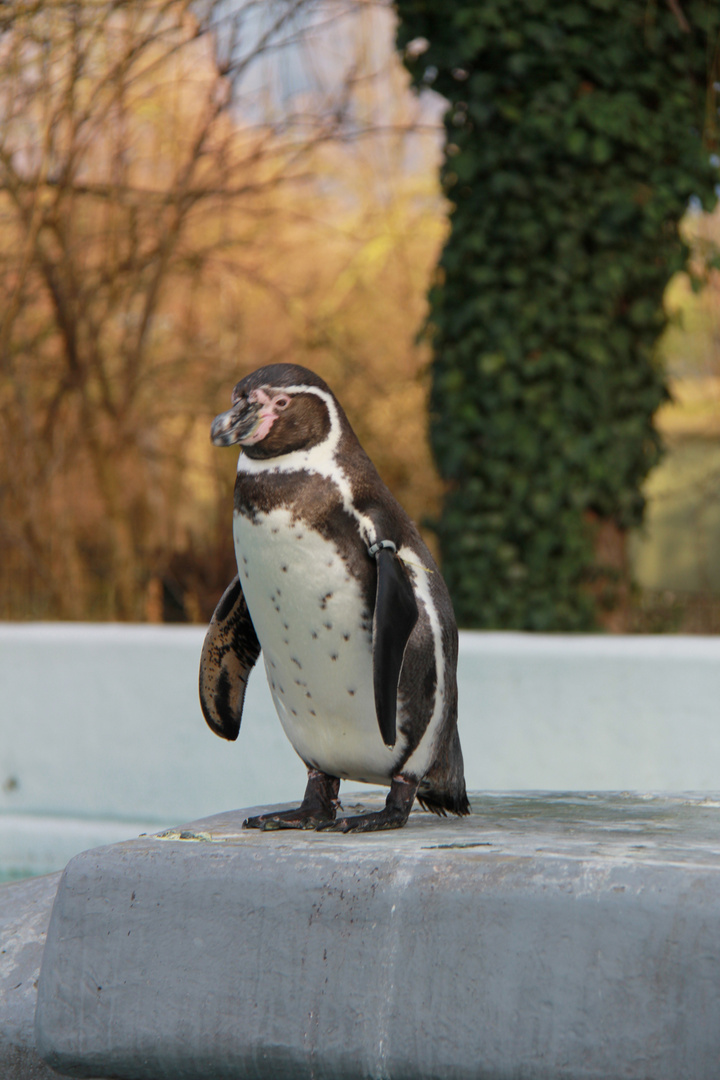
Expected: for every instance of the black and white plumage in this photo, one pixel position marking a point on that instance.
(354, 619)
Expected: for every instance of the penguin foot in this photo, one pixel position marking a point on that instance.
(373, 822)
(319, 806)
(286, 819)
(393, 815)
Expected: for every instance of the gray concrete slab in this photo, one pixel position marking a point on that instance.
(545, 937)
(35, 844)
(24, 916)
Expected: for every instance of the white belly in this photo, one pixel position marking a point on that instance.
(307, 613)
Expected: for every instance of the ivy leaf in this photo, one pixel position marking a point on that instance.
(579, 136)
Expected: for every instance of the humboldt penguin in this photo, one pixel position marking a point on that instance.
(354, 620)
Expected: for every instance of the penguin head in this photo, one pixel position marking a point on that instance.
(276, 410)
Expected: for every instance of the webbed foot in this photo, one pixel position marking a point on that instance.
(393, 815)
(302, 818)
(319, 806)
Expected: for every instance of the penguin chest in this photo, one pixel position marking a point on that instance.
(312, 622)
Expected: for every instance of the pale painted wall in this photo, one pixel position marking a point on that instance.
(103, 722)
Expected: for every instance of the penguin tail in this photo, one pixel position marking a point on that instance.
(442, 789)
(442, 802)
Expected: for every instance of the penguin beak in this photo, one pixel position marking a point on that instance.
(237, 424)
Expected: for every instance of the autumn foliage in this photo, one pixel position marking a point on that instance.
(169, 221)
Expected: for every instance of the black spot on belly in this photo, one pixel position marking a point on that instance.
(313, 635)
(277, 608)
(280, 689)
(346, 637)
(324, 600)
(313, 713)
(274, 530)
(284, 569)
(245, 560)
(286, 641)
(296, 661)
(308, 695)
(272, 663)
(328, 625)
(278, 592)
(351, 692)
(294, 712)
(285, 626)
(333, 656)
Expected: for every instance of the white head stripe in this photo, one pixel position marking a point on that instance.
(318, 459)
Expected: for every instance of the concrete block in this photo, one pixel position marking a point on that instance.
(24, 916)
(545, 937)
(34, 844)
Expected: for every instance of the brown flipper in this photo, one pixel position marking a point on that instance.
(229, 652)
(395, 616)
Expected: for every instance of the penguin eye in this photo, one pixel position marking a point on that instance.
(282, 402)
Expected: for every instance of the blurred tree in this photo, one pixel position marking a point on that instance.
(574, 142)
(173, 213)
(676, 555)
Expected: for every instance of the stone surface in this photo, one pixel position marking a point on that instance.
(24, 916)
(35, 844)
(545, 937)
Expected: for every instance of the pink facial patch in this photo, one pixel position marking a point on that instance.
(265, 418)
(265, 421)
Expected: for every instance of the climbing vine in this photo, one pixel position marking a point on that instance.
(576, 134)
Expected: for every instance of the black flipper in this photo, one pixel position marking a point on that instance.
(395, 616)
(229, 652)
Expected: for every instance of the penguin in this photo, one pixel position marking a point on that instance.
(338, 590)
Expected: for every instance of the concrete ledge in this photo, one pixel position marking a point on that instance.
(33, 844)
(545, 937)
(24, 916)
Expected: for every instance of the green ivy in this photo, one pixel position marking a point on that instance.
(574, 140)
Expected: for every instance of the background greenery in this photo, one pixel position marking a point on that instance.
(576, 135)
(173, 215)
